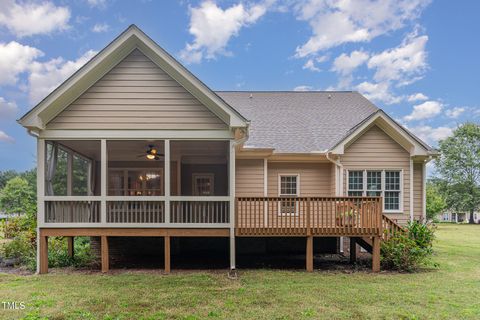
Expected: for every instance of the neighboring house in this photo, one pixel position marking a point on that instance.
(134, 145)
(457, 217)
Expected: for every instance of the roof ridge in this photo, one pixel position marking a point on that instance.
(288, 91)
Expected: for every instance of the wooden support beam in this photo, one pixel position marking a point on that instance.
(353, 250)
(309, 253)
(104, 254)
(43, 247)
(70, 246)
(167, 254)
(376, 254)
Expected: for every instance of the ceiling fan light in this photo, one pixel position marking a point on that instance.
(153, 151)
(150, 156)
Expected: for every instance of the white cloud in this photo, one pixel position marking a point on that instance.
(417, 97)
(455, 112)
(345, 64)
(5, 137)
(7, 109)
(310, 65)
(27, 18)
(403, 63)
(15, 59)
(100, 27)
(425, 110)
(378, 92)
(303, 88)
(97, 3)
(337, 22)
(212, 28)
(46, 76)
(431, 135)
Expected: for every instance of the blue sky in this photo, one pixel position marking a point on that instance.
(416, 59)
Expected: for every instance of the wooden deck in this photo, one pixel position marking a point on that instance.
(312, 216)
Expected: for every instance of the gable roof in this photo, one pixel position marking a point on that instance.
(299, 122)
(314, 121)
(132, 38)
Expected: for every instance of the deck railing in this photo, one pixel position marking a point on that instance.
(391, 228)
(335, 216)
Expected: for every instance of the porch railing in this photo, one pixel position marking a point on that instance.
(335, 216)
(83, 211)
(137, 211)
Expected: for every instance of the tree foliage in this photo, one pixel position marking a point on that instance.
(459, 168)
(18, 197)
(435, 200)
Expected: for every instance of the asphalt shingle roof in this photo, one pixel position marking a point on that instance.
(298, 122)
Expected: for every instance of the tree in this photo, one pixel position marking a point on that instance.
(5, 176)
(435, 201)
(459, 167)
(18, 197)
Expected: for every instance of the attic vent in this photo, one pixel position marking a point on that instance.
(251, 96)
(329, 96)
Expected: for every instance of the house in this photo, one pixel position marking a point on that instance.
(449, 216)
(134, 145)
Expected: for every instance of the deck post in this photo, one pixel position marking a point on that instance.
(166, 240)
(376, 254)
(353, 250)
(309, 253)
(43, 254)
(104, 253)
(70, 246)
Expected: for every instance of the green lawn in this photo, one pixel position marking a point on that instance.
(450, 292)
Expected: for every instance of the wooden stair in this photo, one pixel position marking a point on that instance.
(390, 228)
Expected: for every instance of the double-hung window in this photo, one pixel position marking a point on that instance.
(289, 189)
(378, 183)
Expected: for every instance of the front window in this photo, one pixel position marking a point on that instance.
(377, 183)
(288, 189)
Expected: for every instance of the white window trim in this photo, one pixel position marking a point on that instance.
(280, 195)
(364, 191)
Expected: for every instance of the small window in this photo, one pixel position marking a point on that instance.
(203, 184)
(288, 188)
(289, 185)
(355, 183)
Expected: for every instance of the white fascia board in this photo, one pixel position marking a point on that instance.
(391, 128)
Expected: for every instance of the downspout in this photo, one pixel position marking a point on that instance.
(339, 184)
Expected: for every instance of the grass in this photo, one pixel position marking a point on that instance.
(451, 291)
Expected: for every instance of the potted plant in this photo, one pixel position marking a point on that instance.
(347, 218)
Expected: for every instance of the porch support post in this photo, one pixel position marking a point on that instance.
(376, 254)
(167, 253)
(103, 182)
(231, 188)
(353, 250)
(309, 254)
(167, 169)
(43, 254)
(40, 195)
(105, 254)
(70, 246)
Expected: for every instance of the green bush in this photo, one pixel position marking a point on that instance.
(22, 247)
(409, 251)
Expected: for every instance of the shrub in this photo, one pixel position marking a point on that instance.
(24, 249)
(411, 250)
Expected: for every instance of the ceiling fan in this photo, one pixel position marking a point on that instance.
(151, 153)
